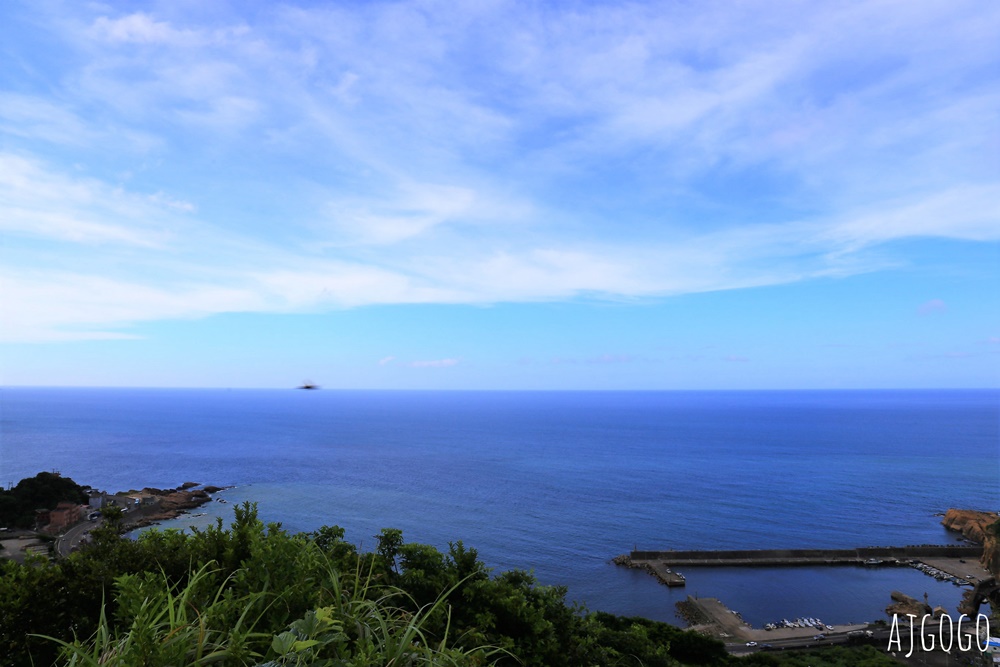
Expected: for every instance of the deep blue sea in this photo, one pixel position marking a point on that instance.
(559, 482)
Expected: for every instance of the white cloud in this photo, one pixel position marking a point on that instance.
(340, 285)
(53, 306)
(969, 212)
(487, 153)
(186, 278)
(39, 202)
(134, 28)
(418, 209)
(161, 199)
(141, 28)
(32, 117)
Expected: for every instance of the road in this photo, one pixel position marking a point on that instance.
(880, 639)
(69, 540)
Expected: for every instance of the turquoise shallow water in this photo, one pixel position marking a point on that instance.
(559, 482)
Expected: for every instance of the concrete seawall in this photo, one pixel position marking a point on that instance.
(804, 556)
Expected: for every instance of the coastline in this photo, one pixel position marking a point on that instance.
(965, 566)
(706, 615)
(68, 527)
(168, 504)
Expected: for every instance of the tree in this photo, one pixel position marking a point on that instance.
(43, 491)
(389, 542)
(330, 540)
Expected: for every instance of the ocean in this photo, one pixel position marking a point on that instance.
(559, 482)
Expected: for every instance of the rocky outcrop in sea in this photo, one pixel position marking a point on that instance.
(980, 527)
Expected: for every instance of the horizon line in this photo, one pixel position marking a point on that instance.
(500, 390)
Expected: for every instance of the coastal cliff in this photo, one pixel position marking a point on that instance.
(981, 527)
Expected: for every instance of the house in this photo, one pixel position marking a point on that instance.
(98, 499)
(63, 516)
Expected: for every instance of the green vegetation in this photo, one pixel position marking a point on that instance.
(253, 594)
(43, 491)
(833, 656)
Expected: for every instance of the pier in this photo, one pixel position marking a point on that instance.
(958, 564)
(787, 557)
(665, 575)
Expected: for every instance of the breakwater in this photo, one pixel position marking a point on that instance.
(783, 557)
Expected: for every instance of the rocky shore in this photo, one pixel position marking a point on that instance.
(171, 503)
(984, 528)
(692, 614)
(903, 605)
(980, 527)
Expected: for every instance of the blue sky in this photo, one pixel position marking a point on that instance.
(663, 195)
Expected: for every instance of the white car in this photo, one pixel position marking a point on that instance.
(751, 644)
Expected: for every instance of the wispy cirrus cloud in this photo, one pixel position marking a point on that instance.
(143, 29)
(967, 212)
(347, 155)
(40, 202)
(262, 277)
(58, 306)
(418, 209)
(30, 117)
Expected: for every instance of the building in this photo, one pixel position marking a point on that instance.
(63, 516)
(98, 499)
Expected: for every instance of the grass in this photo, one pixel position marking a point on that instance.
(167, 624)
